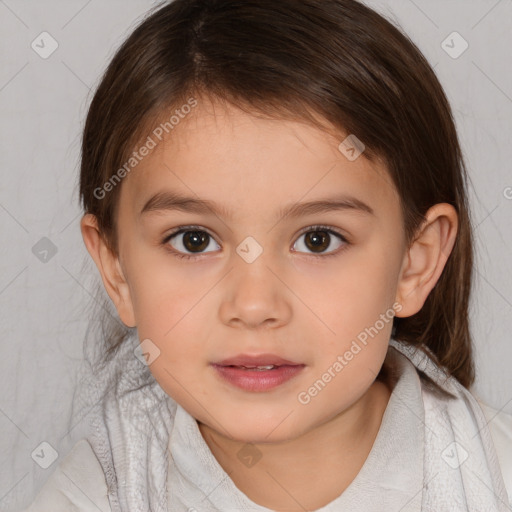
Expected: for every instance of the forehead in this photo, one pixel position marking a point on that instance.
(243, 161)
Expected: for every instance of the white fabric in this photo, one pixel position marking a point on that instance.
(77, 484)
(501, 432)
(153, 456)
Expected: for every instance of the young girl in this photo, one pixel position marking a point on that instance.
(275, 199)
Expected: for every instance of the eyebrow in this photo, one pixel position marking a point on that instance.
(170, 201)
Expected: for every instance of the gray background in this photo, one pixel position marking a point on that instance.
(43, 305)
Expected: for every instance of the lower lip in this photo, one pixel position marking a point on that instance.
(258, 380)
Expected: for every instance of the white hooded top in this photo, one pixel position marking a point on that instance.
(145, 451)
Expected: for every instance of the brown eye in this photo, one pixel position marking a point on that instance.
(195, 240)
(189, 242)
(318, 239)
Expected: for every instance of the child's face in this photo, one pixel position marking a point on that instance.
(300, 305)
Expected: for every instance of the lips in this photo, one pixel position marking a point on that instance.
(257, 373)
(253, 361)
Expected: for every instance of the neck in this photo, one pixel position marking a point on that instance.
(330, 455)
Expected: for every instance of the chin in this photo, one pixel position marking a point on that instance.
(258, 428)
(250, 435)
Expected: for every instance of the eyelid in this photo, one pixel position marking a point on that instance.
(321, 227)
(301, 232)
(180, 229)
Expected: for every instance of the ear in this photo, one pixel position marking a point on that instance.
(109, 267)
(426, 257)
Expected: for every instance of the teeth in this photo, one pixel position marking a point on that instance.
(260, 368)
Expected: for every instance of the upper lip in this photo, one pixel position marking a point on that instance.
(256, 360)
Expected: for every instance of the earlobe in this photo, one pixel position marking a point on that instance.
(110, 269)
(426, 257)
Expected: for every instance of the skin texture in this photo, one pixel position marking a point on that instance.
(289, 301)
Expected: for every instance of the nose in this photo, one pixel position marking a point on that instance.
(255, 297)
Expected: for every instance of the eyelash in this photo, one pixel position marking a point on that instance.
(184, 229)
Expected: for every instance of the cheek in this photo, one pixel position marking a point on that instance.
(352, 295)
(177, 318)
(175, 323)
(166, 293)
(174, 320)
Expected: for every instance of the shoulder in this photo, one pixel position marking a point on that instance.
(78, 483)
(500, 426)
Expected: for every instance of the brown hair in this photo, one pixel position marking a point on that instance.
(297, 59)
